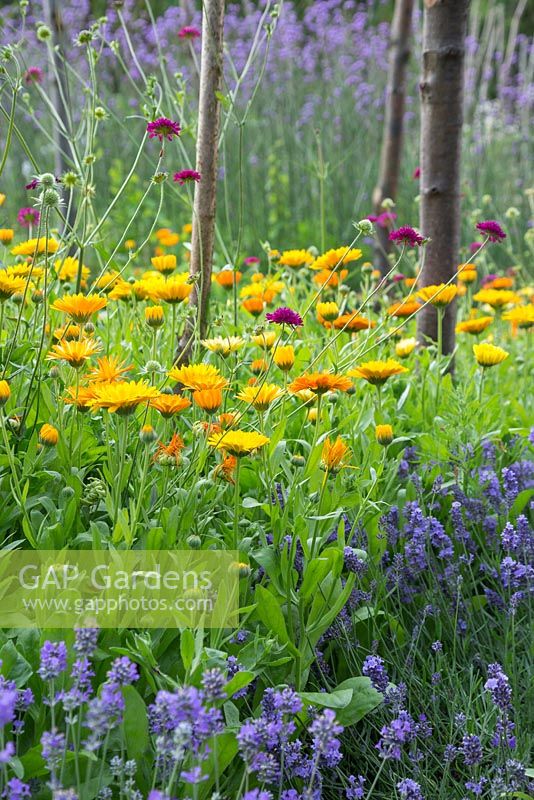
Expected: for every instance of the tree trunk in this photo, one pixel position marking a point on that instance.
(441, 89)
(203, 234)
(390, 157)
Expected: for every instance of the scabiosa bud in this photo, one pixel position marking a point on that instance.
(50, 198)
(43, 33)
(47, 180)
(188, 32)
(53, 660)
(365, 226)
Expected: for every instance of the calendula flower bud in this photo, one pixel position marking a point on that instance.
(154, 316)
(54, 373)
(37, 296)
(89, 328)
(147, 434)
(243, 570)
(298, 461)
(384, 434)
(367, 268)
(5, 392)
(194, 541)
(48, 435)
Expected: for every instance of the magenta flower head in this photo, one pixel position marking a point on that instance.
(492, 229)
(384, 219)
(250, 261)
(285, 316)
(33, 184)
(187, 176)
(406, 235)
(28, 216)
(416, 173)
(474, 246)
(188, 32)
(163, 128)
(33, 75)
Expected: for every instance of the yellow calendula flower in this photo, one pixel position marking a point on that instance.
(198, 376)
(173, 290)
(320, 382)
(80, 397)
(6, 235)
(334, 454)
(224, 345)
(489, 355)
(384, 434)
(261, 396)
(238, 443)
(80, 307)
(73, 352)
(121, 291)
(327, 311)
(467, 273)
(474, 326)
(109, 370)
(439, 295)
(338, 256)
(209, 400)
(2, 199)
(5, 392)
(154, 316)
(10, 285)
(39, 246)
(123, 397)
(284, 357)
(170, 404)
(405, 347)
(130, 244)
(48, 435)
(68, 332)
(105, 282)
(496, 298)
(295, 258)
(164, 264)
(187, 229)
(522, 316)
(378, 372)
(265, 340)
(67, 269)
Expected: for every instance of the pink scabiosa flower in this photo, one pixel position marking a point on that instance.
(28, 216)
(474, 246)
(33, 75)
(163, 128)
(188, 32)
(250, 261)
(285, 316)
(492, 229)
(384, 219)
(416, 173)
(187, 176)
(33, 184)
(398, 277)
(406, 235)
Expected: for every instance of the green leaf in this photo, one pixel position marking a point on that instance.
(364, 700)
(14, 665)
(187, 648)
(135, 723)
(271, 615)
(316, 570)
(339, 698)
(520, 502)
(222, 751)
(239, 681)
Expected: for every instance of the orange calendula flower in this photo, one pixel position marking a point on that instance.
(320, 383)
(439, 295)
(170, 404)
(80, 396)
(500, 283)
(497, 298)
(227, 277)
(36, 246)
(198, 376)
(238, 443)
(334, 258)
(327, 279)
(164, 264)
(384, 434)
(260, 397)
(474, 326)
(258, 366)
(226, 469)
(48, 435)
(409, 282)
(10, 285)
(377, 372)
(254, 306)
(80, 307)
(488, 355)
(109, 370)
(295, 258)
(173, 290)
(284, 357)
(170, 454)
(123, 397)
(6, 235)
(209, 400)
(353, 322)
(403, 309)
(334, 454)
(74, 352)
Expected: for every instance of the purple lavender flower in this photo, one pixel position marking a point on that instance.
(85, 641)
(355, 790)
(410, 790)
(399, 732)
(406, 235)
(15, 789)
(476, 787)
(52, 749)
(257, 794)
(285, 316)
(213, 683)
(325, 730)
(123, 672)
(53, 660)
(492, 229)
(8, 700)
(498, 686)
(373, 668)
(471, 749)
(163, 128)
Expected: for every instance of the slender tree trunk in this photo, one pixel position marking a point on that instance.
(441, 88)
(390, 157)
(203, 234)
